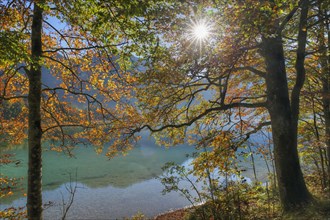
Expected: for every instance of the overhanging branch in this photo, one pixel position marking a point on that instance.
(207, 111)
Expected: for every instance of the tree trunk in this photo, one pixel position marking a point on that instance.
(326, 110)
(325, 76)
(34, 198)
(292, 187)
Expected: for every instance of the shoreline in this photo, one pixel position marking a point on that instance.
(173, 214)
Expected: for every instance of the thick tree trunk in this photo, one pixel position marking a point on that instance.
(292, 187)
(34, 199)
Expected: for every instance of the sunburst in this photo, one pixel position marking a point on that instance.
(199, 32)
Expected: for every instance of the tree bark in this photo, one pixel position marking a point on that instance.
(292, 187)
(325, 76)
(326, 111)
(284, 114)
(34, 198)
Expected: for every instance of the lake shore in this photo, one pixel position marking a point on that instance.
(175, 214)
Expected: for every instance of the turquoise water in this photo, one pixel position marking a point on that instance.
(114, 188)
(107, 189)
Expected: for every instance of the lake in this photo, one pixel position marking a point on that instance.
(107, 189)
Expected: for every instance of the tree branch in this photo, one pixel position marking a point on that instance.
(13, 97)
(103, 109)
(288, 17)
(83, 48)
(207, 111)
(251, 69)
(300, 61)
(59, 125)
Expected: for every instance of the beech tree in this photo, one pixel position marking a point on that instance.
(65, 72)
(249, 72)
(246, 76)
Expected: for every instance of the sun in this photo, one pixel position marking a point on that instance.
(199, 32)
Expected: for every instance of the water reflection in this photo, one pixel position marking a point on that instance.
(94, 171)
(111, 202)
(109, 189)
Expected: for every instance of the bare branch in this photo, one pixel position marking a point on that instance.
(103, 109)
(206, 112)
(84, 48)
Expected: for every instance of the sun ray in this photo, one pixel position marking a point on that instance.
(199, 32)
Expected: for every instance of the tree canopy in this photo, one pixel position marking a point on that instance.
(99, 72)
(247, 75)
